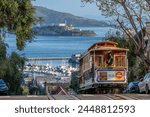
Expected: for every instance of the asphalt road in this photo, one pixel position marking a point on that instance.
(23, 97)
(81, 97)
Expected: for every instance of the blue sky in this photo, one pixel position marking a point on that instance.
(72, 6)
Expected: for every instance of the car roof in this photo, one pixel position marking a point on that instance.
(135, 81)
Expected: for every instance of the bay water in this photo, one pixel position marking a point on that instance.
(57, 46)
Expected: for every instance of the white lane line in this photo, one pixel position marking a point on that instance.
(87, 95)
(32, 96)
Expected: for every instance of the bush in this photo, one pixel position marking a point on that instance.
(25, 90)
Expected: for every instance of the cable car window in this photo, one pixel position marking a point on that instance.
(120, 61)
(99, 61)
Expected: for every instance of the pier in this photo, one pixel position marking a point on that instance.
(52, 58)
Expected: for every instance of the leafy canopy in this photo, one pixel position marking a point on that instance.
(16, 16)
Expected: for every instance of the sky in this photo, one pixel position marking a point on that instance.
(72, 6)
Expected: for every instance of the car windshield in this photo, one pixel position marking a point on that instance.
(146, 76)
(131, 84)
(149, 75)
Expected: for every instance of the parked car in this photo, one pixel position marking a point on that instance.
(132, 87)
(144, 85)
(3, 88)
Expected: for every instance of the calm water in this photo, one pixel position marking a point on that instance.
(50, 46)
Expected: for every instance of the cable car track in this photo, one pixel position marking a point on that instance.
(80, 97)
(62, 97)
(93, 97)
(121, 97)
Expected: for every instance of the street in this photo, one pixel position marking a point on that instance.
(80, 97)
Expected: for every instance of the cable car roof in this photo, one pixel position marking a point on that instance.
(103, 44)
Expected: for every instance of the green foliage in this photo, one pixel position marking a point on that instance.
(142, 70)
(75, 81)
(33, 90)
(17, 17)
(25, 90)
(2, 49)
(17, 60)
(10, 68)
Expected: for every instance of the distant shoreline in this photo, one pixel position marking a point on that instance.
(62, 30)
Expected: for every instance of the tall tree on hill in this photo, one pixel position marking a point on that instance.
(40, 20)
(130, 15)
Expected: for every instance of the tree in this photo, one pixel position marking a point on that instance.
(16, 16)
(130, 15)
(25, 90)
(10, 68)
(75, 81)
(2, 49)
(10, 71)
(40, 20)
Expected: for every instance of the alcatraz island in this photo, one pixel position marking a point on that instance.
(62, 29)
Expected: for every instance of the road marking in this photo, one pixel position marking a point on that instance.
(86, 95)
(125, 97)
(32, 96)
(74, 97)
(135, 98)
(108, 97)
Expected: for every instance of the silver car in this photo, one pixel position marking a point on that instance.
(144, 85)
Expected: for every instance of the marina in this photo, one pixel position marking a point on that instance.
(37, 76)
(62, 70)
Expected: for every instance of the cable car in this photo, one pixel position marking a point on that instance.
(103, 68)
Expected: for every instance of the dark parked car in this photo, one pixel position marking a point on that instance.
(132, 87)
(3, 88)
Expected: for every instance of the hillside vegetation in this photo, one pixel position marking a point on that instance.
(50, 17)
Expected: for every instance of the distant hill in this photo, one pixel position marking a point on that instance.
(51, 16)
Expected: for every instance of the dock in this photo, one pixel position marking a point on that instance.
(50, 58)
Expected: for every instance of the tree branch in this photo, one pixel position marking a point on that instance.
(127, 32)
(130, 17)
